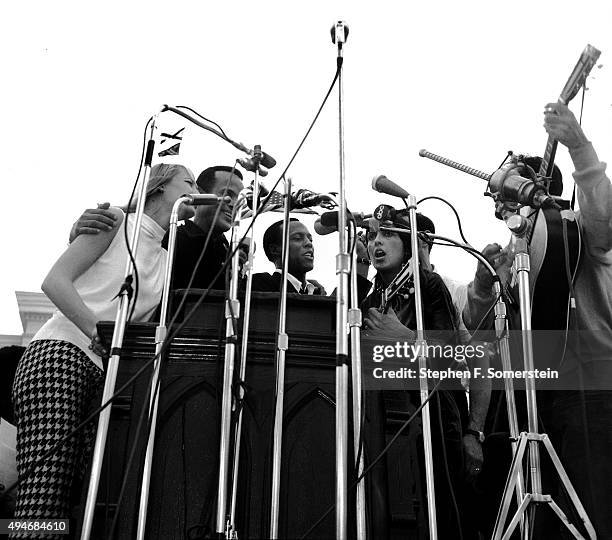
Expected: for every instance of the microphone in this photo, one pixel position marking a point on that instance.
(517, 189)
(206, 199)
(265, 160)
(251, 165)
(304, 198)
(505, 186)
(328, 222)
(382, 184)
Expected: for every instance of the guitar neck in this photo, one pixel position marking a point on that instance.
(548, 161)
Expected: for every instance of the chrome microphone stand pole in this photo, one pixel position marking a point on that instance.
(423, 383)
(282, 345)
(121, 319)
(339, 34)
(231, 528)
(160, 335)
(232, 314)
(354, 321)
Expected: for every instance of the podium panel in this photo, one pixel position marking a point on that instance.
(183, 491)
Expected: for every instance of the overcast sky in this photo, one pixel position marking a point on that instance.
(467, 80)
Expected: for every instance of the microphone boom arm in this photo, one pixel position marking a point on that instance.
(455, 165)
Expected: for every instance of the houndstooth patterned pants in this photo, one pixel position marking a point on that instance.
(52, 394)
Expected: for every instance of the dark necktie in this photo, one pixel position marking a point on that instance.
(304, 289)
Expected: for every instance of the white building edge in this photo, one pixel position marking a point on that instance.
(34, 310)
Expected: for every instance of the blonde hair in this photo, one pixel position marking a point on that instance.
(160, 175)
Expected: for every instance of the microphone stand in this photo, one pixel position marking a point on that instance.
(231, 531)
(160, 335)
(282, 344)
(121, 319)
(423, 383)
(502, 333)
(232, 314)
(354, 322)
(529, 441)
(339, 34)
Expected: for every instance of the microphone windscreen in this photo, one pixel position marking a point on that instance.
(322, 229)
(329, 219)
(268, 161)
(383, 185)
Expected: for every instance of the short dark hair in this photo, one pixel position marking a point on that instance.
(206, 180)
(556, 182)
(423, 224)
(274, 237)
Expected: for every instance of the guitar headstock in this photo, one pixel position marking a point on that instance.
(580, 73)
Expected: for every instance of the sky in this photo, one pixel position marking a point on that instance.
(467, 80)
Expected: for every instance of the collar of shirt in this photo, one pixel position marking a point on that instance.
(297, 284)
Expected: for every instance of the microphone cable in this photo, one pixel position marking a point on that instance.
(127, 283)
(203, 118)
(454, 212)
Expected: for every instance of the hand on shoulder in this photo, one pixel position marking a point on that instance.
(96, 220)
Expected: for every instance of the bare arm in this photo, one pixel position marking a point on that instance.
(59, 283)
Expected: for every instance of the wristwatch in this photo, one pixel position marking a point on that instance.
(478, 434)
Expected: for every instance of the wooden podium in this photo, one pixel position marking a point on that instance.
(185, 465)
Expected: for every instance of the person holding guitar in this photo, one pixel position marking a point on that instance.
(578, 416)
(579, 419)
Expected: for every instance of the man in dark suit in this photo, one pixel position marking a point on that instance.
(301, 260)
